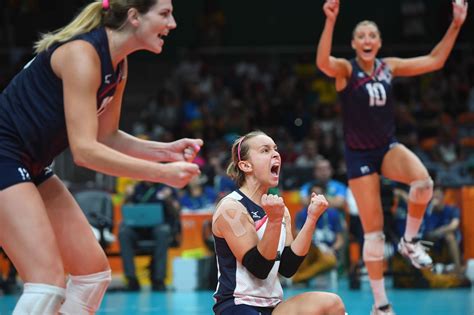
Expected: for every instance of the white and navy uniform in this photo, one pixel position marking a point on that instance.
(368, 118)
(236, 285)
(32, 121)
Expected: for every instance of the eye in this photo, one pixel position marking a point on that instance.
(165, 14)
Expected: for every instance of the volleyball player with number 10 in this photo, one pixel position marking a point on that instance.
(364, 85)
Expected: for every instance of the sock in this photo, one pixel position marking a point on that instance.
(378, 289)
(412, 228)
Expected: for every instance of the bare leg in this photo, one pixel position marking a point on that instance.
(311, 303)
(79, 248)
(453, 249)
(402, 165)
(83, 257)
(27, 236)
(366, 190)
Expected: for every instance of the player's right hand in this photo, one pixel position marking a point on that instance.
(274, 207)
(179, 174)
(331, 9)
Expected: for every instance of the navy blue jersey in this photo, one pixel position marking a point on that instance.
(32, 121)
(367, 107)
(236, 285)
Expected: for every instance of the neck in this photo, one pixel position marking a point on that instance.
(120, 43)
(254, 192)
(366, 66)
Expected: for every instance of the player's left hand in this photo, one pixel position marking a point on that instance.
(317, 206)
(459, 13)
(184, 149)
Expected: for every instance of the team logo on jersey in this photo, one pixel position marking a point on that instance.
(255, 215)
(364, 169)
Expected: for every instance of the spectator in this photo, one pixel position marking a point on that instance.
(442, 227)
(328, 240)
(335, 190)
(164, 235)
(198, 196)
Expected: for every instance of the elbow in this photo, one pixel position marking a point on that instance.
(260, 275)
(82, 154)
(287, 273)
(256, 264)
(439, 65)
(320, 64)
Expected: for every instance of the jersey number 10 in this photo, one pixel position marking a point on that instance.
(377, 94)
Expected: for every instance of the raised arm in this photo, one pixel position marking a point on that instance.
(294, 254)
(437, 57)
(331, 66)
(78, 66)
(233, 223)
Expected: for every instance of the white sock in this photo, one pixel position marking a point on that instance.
(378, 290)
(412, 228)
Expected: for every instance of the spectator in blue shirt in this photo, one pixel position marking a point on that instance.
(441, 225)
(335, 190)
(198, 196)
(327, 240)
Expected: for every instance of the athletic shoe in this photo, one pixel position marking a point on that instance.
(382, 310)
(415, 251)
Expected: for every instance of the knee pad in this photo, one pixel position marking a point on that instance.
(421, 191)
(39, 299)
(373, 246)
(85, 293)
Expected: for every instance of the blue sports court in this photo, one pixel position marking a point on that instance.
(358, 302)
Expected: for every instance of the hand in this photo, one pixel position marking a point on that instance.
(274, 207)
(459, 13)
(184, 149)
(331, 9)
(178, 174)
(317, 206)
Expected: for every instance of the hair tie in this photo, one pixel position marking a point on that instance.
(238, 147)
(105, 4)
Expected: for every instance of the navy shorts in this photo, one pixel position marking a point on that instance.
(364, 162)
(14, 172)
(247, 310)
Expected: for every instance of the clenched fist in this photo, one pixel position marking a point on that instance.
(273, 206)
(317, 205)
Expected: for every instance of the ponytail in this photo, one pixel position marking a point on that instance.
(87, 20)
(110, 13)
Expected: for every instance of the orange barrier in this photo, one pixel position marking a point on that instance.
(467, 221)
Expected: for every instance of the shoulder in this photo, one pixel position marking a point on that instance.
(79, 56)
(230, 209)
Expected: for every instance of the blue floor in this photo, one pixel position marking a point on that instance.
(358, 302)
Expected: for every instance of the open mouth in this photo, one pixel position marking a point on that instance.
(367, 50)
(275, 169)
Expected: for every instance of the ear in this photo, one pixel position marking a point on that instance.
(352, 44)
(133, 17)
(245, 166)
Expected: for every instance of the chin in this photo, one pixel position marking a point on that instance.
(156, 49)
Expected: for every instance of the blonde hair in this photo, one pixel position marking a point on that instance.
(91, 17)
(363, 23)
(240, 152)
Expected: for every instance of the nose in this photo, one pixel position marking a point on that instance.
(172, 23)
